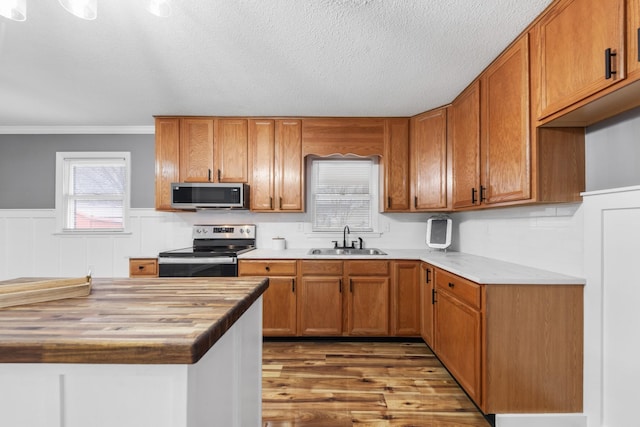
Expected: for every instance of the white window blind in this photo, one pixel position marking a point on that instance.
(342, 194)
(93, 191)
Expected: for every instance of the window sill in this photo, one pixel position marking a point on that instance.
(93, 233)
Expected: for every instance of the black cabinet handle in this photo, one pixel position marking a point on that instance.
(340, 285)
(351, 285)
(638, 44)
(483, 193)
(293, 285)
(270, 202)
(433, 296)
(428, 275)
(473, 196)
(267, 268)
(219, 175)
(209, 175)
(389, 202)
(280, 203)
(415, 202)
(451, 285)
(608, 69)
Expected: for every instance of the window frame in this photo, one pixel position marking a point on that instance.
(60, 200)
(374, 183)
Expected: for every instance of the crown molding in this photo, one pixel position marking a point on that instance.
(49, 130)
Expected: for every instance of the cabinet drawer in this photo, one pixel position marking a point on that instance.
(267, 268)
(463, 289)
(143, 267)
(367, 268)
(321, 268)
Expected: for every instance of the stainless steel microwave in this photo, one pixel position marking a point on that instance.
(209, 195)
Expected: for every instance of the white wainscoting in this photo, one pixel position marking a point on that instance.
(612, 298)
(29, 246)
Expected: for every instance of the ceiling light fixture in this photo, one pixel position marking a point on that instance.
(160, 8)
(14, 9)
(85, 9)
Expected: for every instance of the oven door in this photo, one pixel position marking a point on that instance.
(197, 267)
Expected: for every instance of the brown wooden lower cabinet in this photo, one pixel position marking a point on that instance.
(280, 299)
(513, 348)
(143, 267)
(367, 298)
(405, 300)
(320, 300)
(427, 302)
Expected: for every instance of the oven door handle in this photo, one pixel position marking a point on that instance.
(212, 260)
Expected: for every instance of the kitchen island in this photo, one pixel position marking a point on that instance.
(135, 352)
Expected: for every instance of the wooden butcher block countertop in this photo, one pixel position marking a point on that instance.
(147, 321)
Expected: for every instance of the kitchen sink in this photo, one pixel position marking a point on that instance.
(345, 251)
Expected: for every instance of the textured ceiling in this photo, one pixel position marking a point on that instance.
(248, 57)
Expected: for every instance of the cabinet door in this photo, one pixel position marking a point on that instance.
(320, 306)
(396, 165)
(633, 39)
(506, 171)
(406, 298)
(457, 336)
(427, 301)
(232, 150)
(428, 145)
(196, 150)
(464, 132)
(574, 36)
(368, 306)
(279, 307)
(167, 159)
(289, 172)
(261, 164)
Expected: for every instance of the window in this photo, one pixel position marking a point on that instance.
(343, 193)
(92, 191)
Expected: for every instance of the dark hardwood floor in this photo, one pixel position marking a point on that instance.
(338, 383)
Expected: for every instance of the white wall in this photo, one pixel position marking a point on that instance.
(29, 246)
(547, 236)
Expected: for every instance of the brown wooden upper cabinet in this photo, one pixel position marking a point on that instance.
(167, 159)
(275, 164)
(464, 137)
(633, 39)
(213, 150)
(582, 51)
(505, 164)
(231, 150)
(196, 150)
(396, 166)
(428, 160)
(490, 134)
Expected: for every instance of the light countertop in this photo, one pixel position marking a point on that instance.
(479, 269)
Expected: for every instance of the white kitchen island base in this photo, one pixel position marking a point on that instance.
(224, 388)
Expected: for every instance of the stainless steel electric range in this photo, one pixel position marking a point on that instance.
(214, 252)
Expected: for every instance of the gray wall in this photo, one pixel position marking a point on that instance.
(28, 164)
(613, 152)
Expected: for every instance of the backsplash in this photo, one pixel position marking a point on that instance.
(549, 237)
(545, 237)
